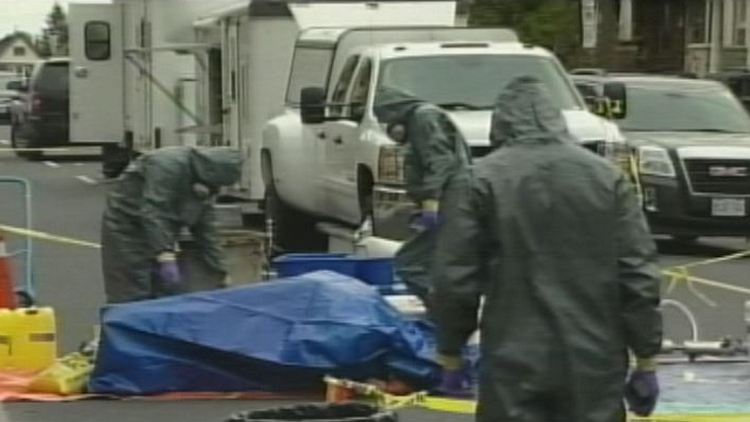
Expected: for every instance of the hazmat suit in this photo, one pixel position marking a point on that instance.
(436, 153)
(553, 237)
(157, 196)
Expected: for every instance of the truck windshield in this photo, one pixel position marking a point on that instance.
(712, 109)
(471, 82)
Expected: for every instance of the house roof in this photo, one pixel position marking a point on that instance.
(9, 39)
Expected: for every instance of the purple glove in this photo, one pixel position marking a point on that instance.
(169, 271)
(455, 383)
(428, 219)
(642, 392)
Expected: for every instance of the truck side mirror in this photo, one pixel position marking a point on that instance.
(312, 105)
(617, 95)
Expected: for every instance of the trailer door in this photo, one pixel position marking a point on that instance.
(96, 84)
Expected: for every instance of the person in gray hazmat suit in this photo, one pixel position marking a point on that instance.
(157, 196)
(554, 239)
(436, 153)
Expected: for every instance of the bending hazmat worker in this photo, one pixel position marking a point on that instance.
(553, 237)
(157, 196)
(436, 153)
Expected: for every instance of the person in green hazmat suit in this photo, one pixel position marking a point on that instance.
(158, 195)
(436, 153)
(554, 239)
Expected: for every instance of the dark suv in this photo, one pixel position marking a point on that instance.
(41, 120)
(692, 142)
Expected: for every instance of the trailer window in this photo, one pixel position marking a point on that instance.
(98, 40)
(310, 68)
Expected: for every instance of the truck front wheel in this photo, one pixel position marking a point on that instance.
(293, 231)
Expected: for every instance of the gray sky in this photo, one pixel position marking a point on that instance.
(29, 15)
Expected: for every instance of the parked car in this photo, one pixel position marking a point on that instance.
(738, 80)
(692, 142)
(9, 85)
(42, 118)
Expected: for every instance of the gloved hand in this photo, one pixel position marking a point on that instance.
(642, 389)
(169, 271)
(428, 218)
(454, 381)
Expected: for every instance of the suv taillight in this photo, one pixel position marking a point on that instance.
(36, 104)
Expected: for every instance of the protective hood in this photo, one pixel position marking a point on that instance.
(525, 113)
(395, 106)
(217, 167)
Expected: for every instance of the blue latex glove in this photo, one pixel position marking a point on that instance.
(455, 383)
(642, 392)
(428, 219)
(169, 271)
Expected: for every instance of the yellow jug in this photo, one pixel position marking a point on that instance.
(28, 339)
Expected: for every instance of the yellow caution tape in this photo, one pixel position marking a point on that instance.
(48, 237)
(732, 257)
(686, 278)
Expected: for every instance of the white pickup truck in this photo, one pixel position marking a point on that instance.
(327, 158)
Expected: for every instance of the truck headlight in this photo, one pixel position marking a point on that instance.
(655, 161)
(391, 164)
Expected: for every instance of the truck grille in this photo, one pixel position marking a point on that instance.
(719, 176)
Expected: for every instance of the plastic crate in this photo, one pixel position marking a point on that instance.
(296, 264)
(375, 271)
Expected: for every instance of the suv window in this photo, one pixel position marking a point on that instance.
(52, 77)
(684, 108)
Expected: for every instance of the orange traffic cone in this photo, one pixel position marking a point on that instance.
(7, 287)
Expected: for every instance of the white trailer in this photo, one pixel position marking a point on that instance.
(133, 74)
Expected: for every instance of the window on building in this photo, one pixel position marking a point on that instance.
(740, 22)
(698, 23)
(19, 51)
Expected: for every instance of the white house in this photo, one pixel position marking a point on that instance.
(721, 38)
(17, 53)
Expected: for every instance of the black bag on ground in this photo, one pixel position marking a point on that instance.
(349, 412)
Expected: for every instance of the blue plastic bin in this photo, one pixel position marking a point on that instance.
(375, 271)
(296, 264)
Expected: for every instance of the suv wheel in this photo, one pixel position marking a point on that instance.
(18, 141)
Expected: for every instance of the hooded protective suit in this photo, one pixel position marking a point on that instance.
(436, 152)
(155, 198)
(554, 239)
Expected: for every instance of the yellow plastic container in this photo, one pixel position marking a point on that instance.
(28, 339)
(68, 375)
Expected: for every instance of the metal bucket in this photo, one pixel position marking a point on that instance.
(243, 254)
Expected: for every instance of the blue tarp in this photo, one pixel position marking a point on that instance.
(278, 336)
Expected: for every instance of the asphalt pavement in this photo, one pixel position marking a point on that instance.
(68, 199)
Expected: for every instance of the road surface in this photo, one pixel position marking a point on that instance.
(68, 198)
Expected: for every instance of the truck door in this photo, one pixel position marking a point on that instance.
(341, 141)
(96, 80)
